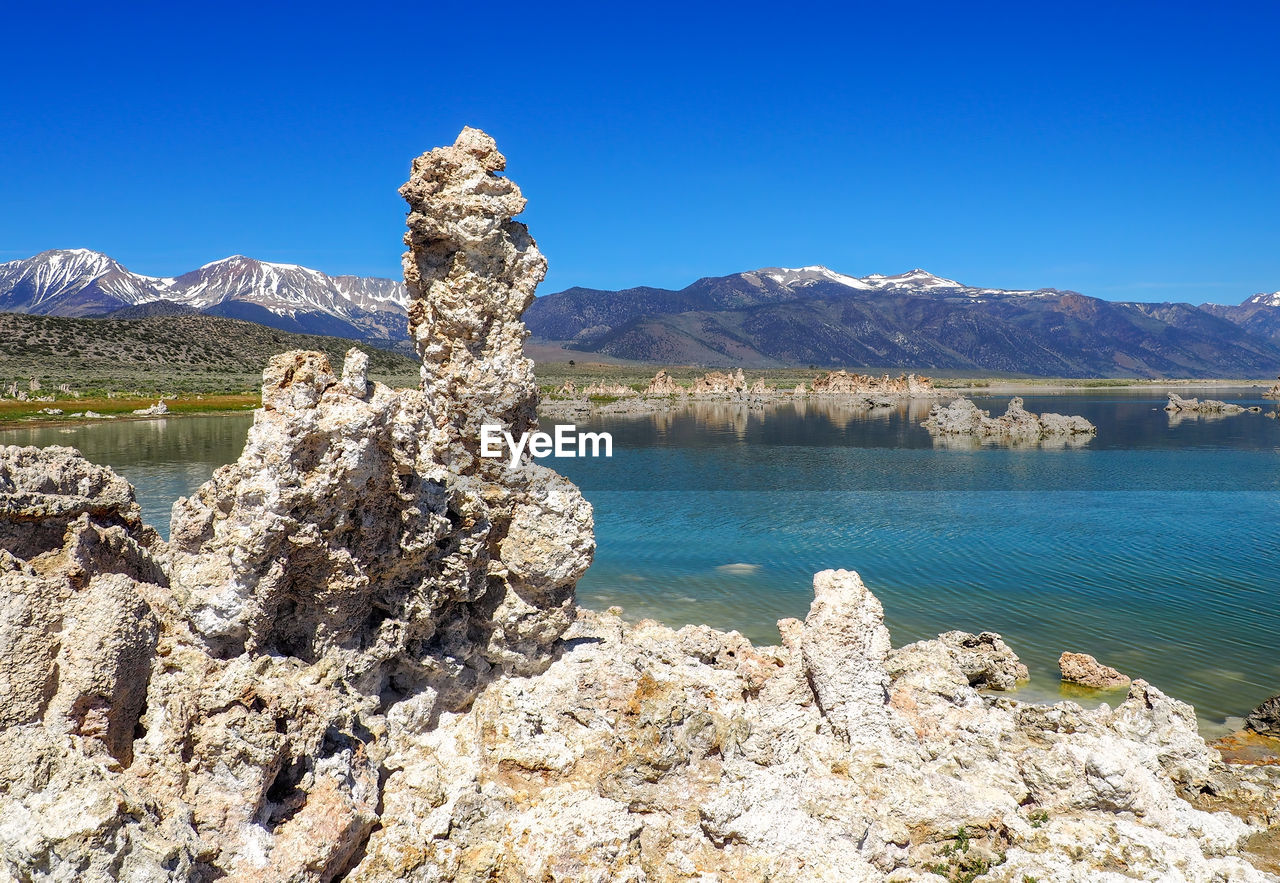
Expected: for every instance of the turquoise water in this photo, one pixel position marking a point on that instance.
(1153, 547)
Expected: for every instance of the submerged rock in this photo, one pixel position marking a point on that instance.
(1083, 669)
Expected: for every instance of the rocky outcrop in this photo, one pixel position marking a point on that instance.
(1178, 405)
(962, 418)
(359, 572)
(471, 271)
(1274, 391)
(359, 658)
(986, 660)
(76, 636)
(608, 389)
(1265, 719)
(662, 385)
(159, 409)
(719, 383)
(843, 383)
(650, 753)
(1083, 669)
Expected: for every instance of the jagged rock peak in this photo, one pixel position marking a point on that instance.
(471, 271)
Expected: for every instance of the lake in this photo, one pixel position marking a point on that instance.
(1152, 547)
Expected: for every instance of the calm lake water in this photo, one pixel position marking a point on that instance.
(1153, 547)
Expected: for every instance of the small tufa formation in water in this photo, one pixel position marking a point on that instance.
(1178, 405)
(1083, 669)
(964, 419)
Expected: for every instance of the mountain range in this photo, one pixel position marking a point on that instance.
(762, 318)
(79, 283)
(916, 320)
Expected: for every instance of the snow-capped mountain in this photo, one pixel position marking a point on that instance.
(72, 282)
(915, 282)
(1259, 314)
(916, 320)
(1263, 300)
(79, 282)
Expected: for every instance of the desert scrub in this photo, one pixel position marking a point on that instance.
(960, 866)
(170, 354)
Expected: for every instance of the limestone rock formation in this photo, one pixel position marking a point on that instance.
(719, 383)
(471, 271)
(843, 383)
(159, 409)
(1265, 719)
(608, 388)
(662, 385)
(1083, 669)
(1017, 425)
(648, 753)
(986, 660)
(1178, 405)
(1274, 391)
(356, 574)
(76, 636)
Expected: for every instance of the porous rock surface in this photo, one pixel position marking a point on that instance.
(1265, 718)
(1016, 425)
(359, 658)
(986, 660)
(1083, 669)
(1178, 405)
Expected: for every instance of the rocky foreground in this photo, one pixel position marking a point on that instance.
(359, 658)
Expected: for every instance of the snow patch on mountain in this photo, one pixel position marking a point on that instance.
(915, 282)
(75, 282)
(1264, 300)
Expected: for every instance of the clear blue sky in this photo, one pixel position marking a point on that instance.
(1126, 150)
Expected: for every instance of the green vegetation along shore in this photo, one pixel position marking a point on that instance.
(58, 370)
(114, 366)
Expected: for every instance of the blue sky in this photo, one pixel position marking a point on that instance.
(1126, 150)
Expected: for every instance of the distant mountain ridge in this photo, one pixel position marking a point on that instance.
(79, 282)
(779, 316)
(773, 316)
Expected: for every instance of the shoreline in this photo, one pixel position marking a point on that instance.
(238, 404)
